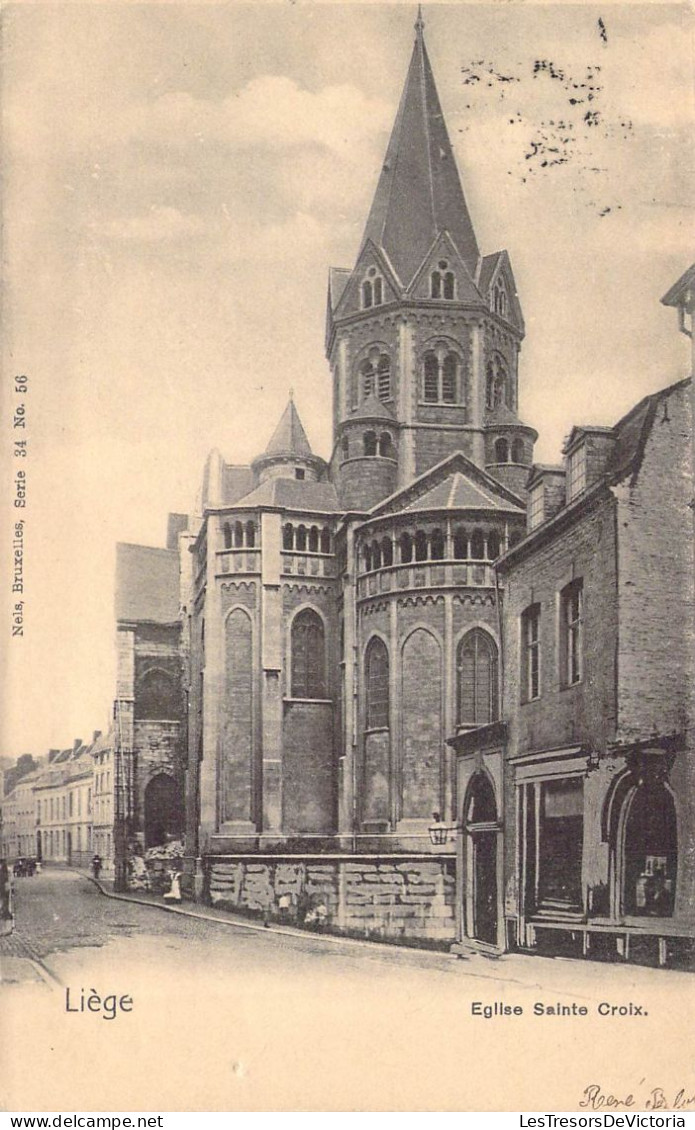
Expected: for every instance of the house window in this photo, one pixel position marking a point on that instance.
(536, 506)
(571, 634)
(308, 656)
(531, 653)
(377, 680)
(477, 670)
(576, 472)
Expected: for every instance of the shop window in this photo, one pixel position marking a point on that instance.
(571, 634)
(308, 656)
(531, 653)
(377, 681)
(555, 813)
(478, 679)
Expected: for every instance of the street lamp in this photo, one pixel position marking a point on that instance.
(439, 831)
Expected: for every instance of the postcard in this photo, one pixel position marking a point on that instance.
(347, 753)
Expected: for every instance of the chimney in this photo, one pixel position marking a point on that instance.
(76, 744)
(95, 735)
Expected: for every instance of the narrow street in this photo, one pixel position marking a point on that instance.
(240, 1018)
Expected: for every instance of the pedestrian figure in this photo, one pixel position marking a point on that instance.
(96, 865)
(5, 909)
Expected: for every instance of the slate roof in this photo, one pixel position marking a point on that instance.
(633, 430)
(147, 584)
(289, 437)
(679, 290)
(294, 494)
(457, 492)
(236, 482)
(419, 192)
(372, 408)
(338, 278)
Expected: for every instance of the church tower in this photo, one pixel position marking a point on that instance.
(423, 335)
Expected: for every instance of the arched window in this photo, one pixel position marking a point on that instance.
(308, 656)
(238, 535)
(493, 545)
(477, 669)
(368, 375)
(387, 552)
(435, 284)
(499, 299)
(314, 539)
(386, 445)
(227, 532)
(367, 554)
(325, 540)
(437, 545)
(480, 800)
(384, 377)
(460, 544)
(378, 291)
(518, 451)
(406, 548)
(367, 294)
(370, 443)
(251, 534)
(449, 373)
(300, 539)
(497, 382)
(477, 545)
(377, 682)
(376, 555)
(448, 288)
(288, 536)
(430, 391)
(345, 447)
(501, 451)
(420, 546)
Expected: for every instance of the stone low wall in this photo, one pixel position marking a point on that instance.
(399, 898)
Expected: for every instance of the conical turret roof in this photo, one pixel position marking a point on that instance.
(419, 193)
(289, 437)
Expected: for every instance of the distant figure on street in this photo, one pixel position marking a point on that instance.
(5, 909)
(96, 865)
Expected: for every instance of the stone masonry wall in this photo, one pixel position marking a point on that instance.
(398, 899)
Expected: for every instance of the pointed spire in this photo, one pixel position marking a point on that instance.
(419, 193)
(289, 437)
(419, 23)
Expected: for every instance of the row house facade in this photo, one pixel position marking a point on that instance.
(576, 808)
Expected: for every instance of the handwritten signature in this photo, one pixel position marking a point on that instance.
(656, 1098)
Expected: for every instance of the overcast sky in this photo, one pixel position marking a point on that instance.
(178, 179)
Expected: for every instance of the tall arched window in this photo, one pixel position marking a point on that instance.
(460, 544)
(314, 539)
(370, 443)
(436, 284)
(437, 545)
(499, 299)
(325, 540)
(448, 288)
(406, 548)
(420, 546)
(518, 451)
(308, 656)
(367, 294)
(449, 373)
(300, 539)
(227, 531)
(377, 683)
(251, 534)
(477, 669)
(497, 390)
(441, 373)
(288, 536)
(431, 378)
(383, 377)
(386, 445)
(378, 291)
(368, 379)
(376, 555)
(238, 535)
(501, 451)
(387, 552)
(493, 545)
(477, 545)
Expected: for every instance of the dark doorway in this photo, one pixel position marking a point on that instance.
(485, 886)
(163, 811)
(650, 852)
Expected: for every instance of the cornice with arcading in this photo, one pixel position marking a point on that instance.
(238, 586)
(421, 600)
(474, 598)
(308, 588)
(373, 607)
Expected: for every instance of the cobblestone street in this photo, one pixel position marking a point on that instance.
(232, 1016)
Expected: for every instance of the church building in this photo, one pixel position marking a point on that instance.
(341, 620)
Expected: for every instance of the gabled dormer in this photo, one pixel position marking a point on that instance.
(497, 286)
(371, 285)
(443, 276)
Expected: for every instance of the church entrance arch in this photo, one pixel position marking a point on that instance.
(163, 811)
